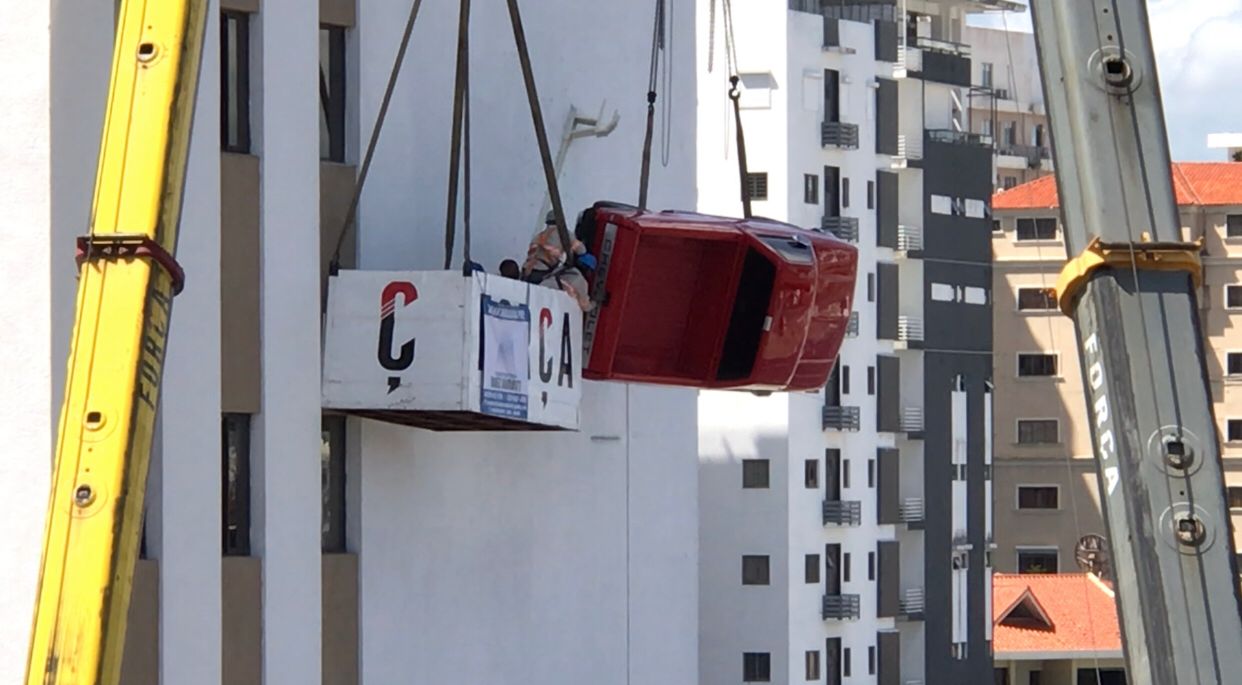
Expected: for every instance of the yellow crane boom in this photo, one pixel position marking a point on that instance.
(125, 290)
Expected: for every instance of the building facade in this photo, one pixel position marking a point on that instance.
(1007, 103)
(286, 546)
(860, 519)
(1047, 495)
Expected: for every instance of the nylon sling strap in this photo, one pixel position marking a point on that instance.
(460, 96)
(645, 174)
(735, 95)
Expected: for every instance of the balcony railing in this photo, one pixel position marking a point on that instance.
(839, 607)
(912, 510)
(839, 134)
(843, 227)
(842, 513)
(912, 603)
(946, 46)
(910, 329)
(1001, 93)
(851, 328)
(909, 238)
(946, 135)
(912, 420)
(841, 418)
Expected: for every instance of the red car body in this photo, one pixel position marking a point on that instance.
(710, 302)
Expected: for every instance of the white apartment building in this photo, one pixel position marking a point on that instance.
(844, 535)
(340, 550)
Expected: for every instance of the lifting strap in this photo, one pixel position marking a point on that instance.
(1147, 256)
(735, 95)
(461, 97)
(657, 47)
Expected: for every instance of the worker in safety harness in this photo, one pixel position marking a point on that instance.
(547, 264)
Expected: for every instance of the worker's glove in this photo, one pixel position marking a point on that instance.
(587, 261)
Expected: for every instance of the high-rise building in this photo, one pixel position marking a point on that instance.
(1047, 494)
(844, 536)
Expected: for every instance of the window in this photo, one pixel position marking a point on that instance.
(811, 572)
(810, 189)
(870, 380)
(755, 569)
(870, 565)
(812, 665)
(1037, 229)
(1039, 497)
(845, 567)
(1030, 365)
(754, 473)
(987, 129)
(871, 473)
(845, 473)
(1037, 299)
(1233, 297)
(1233, 226)
(757, 185)
(332, 93)
(996, 226)
(870, 194)
(811, 476)
(1233, 363)
(845, 379)
(1037, 135)
(756, 667)
(1038, 432)
(871, 660)
(871, 287)
(235, 82)
(1011, 133)
(845, 192)
(1034, 678)
(1009, 182)
(985, 78)
(1037, 560)
(235, 466)
(845, 662)
(1233, 430)
(332, 462)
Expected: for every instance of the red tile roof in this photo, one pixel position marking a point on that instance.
(1194, 183)
(1081, 611)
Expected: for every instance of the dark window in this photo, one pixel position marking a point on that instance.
(812, 568)
(1233, 363)
(755, 569)
(985, 79)
(996, 226)
(1009, 182)
(757, 185)
(1038, 497)
(1233, 226)
(1233, 296)
(845, 379)
(1037, 431)
(845, 567)
(871, 660)
(1235, 497)
(332, 460)
(812, 665)
(871, 287)
(1000, 676)
(1037, 299)
(870, 194)
(1011, 133)
(332, 93)
(235, 82)
(832, 191)
(1037, 229)
(870, 565)
(870, 380)
(754, 473)
(845, 192)
(810, 189)
(756, 667)
(1037, 365)
(1233, 429)
(1037, 561)
(811, 476)
(236, 473)
(1034, 678)
(845, 662)
(871, 473)
(845, 473)
(1037, 136)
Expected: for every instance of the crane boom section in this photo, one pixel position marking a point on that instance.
(124, 299)
(1132, 295)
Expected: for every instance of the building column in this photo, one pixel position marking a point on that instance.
(186, 491)
(26, 365)
(286, 487)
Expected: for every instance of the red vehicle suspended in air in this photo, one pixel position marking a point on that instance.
(711, 302)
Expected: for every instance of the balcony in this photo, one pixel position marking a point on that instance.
(912, 603)
(843, 227)
(839, 134)
(909, 239)
(912, 512)
(841, 418)
(944, 62)
(839, 513)
(839, 607)
(909, 59)
(1034, 156)
(910, 334)
(912, 421)
(909, 151)
(851, 328)
(953, 137)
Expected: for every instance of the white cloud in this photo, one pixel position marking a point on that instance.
(1199, 54)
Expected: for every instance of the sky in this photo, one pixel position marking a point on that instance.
(1199, 54)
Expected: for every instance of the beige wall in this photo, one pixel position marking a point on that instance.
(240, 371)
(242, 615)
(1036, 264)
(340, 619)
(140, 664)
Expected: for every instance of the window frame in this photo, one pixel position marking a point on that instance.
(756, 667)
(1229, 422)
(237, 517)
(333, 458)
(1017, 429)
(761, 565)
(1238, 218)
(244, 65)
(1228, 288)
(1229, 493)
(1035, 222)
(1037, 549)
(810, 474)
(1056, 362)
(811, 571)
(1017, 496)
(756, 181)
(1236, 354)
(767, 474)
(810, 189)
(1031, 310)
(813, 668)
(335, 110)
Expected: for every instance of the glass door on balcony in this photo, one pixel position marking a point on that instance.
(832, 569)
(832, 191)
(832, 391)
(832, 475)
(832, 95)
(833, 672)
